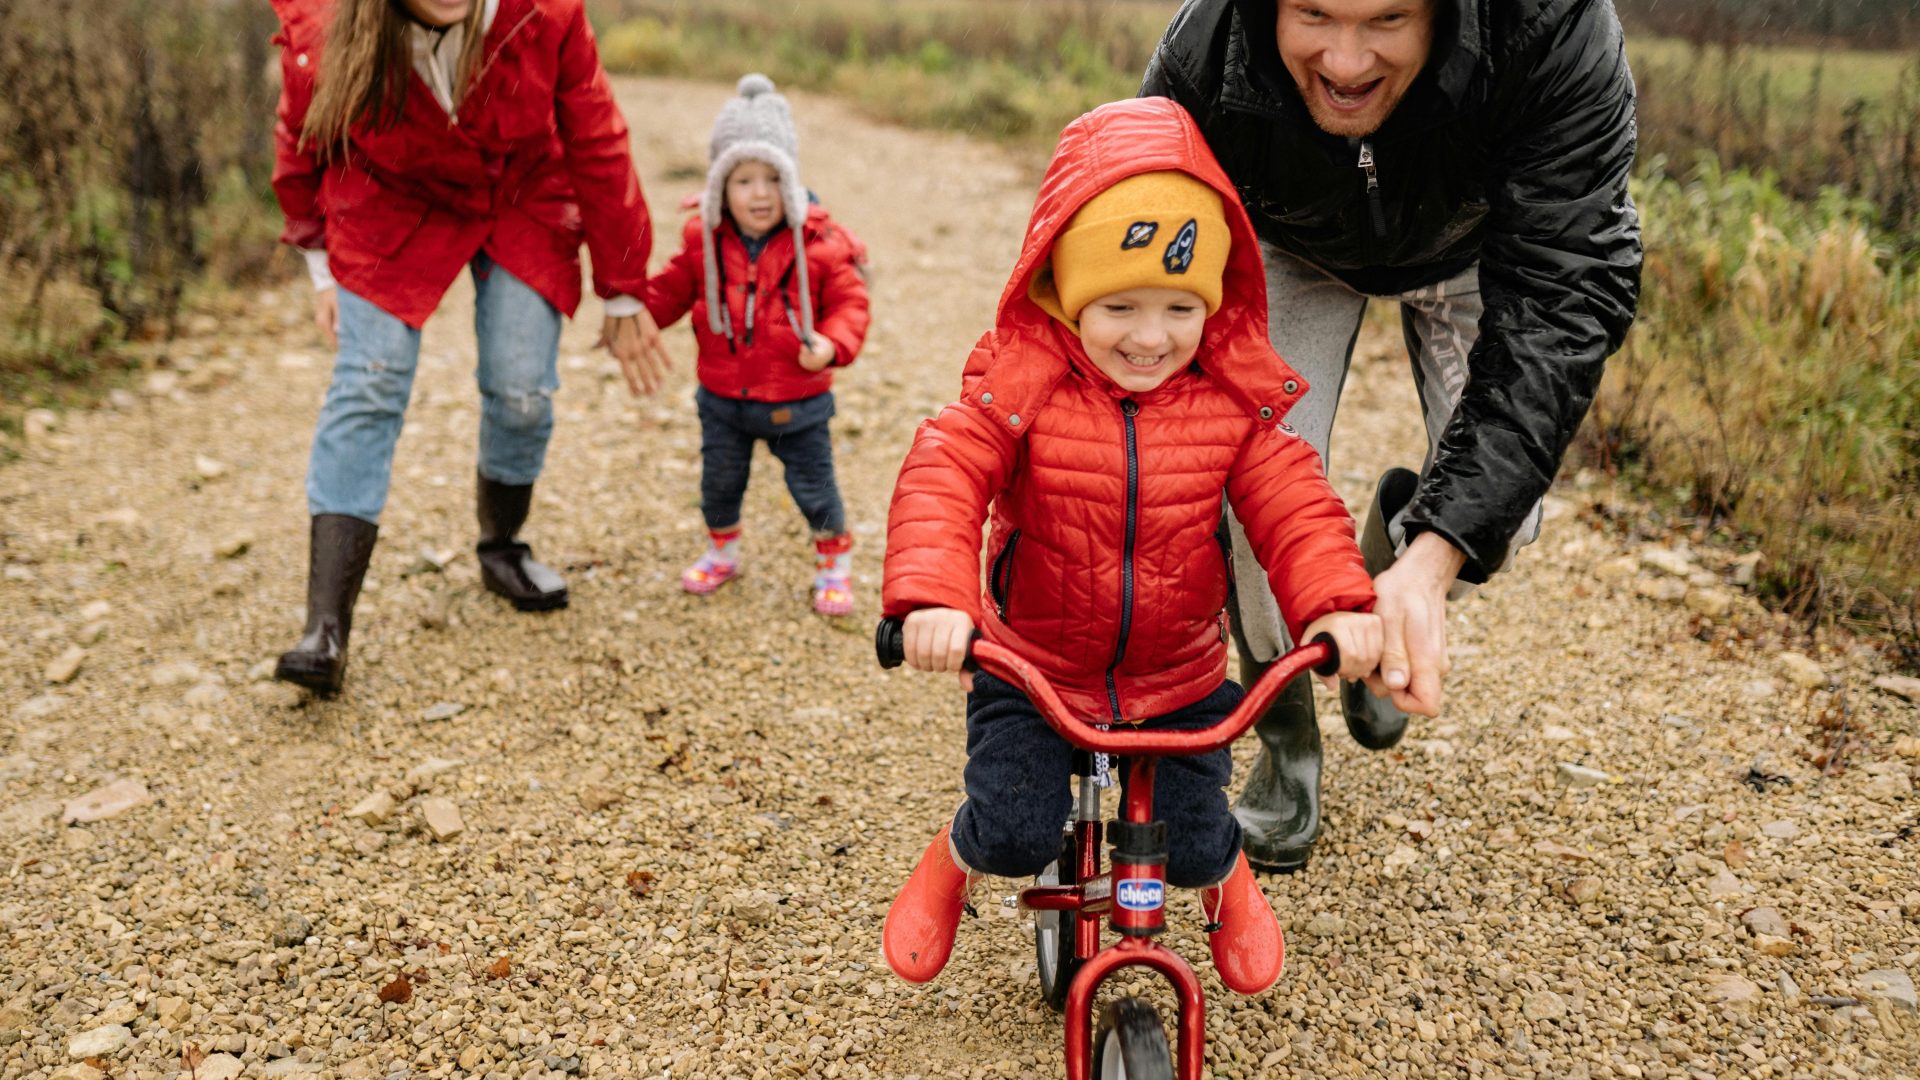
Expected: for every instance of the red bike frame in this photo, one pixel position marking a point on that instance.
(1095, 894)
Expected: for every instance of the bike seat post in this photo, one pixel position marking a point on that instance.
(1087, 805)
(1139, 846)
(1088, 832)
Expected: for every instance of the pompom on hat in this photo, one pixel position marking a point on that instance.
(1151, 230)
(755, 125)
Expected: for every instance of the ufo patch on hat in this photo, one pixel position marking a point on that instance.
(1179, 254)
(1139, 235)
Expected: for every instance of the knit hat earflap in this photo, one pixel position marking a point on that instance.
(1151, 230)
(757, 125)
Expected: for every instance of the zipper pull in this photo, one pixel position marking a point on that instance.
(1373, 190)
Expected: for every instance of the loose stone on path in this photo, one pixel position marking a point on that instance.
(1890, 985)
(442, 818)
(1802, 670)
(1580, 775)
(64, 667)
(110, 801)
(1732, 990)
(100, 1042)
(375, 809)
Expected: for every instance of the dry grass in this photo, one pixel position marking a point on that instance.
(1772, 385)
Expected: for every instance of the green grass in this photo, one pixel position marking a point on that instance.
(1791, 72)
(997, 68)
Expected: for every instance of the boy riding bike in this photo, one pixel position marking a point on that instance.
(1126, 385)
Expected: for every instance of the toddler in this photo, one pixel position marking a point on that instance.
(1127, 383)
(778, 303)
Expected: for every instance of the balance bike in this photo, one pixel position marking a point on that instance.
(1072, 895)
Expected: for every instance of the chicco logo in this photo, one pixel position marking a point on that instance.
(1141, 895)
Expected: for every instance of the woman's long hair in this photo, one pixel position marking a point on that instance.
(364, 70)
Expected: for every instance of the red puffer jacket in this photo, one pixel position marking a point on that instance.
(762, 361)
(538, 159)
(1105, 569)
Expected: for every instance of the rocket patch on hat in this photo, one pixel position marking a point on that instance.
(1165, 229)
(1179, 254)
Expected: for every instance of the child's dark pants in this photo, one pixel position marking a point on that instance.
(796, 432)
(1018, 797)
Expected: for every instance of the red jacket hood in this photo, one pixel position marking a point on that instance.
(1031, 350)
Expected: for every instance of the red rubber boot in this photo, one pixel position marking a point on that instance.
(1248, 950)
(918, 936)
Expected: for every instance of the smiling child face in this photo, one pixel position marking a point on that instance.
(753, 198)
(1141, 337)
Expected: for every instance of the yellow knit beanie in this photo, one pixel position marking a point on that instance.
(1152, 230)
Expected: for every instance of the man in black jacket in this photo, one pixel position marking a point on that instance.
(1468, 160)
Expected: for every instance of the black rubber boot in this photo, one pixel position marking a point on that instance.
(1374, 721)
(1279, 808)
(336, 564)
(507, 567)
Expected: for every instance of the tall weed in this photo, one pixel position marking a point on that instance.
(135, 159)
(1772, 382)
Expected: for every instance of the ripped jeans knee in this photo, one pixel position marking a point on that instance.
(515, 426)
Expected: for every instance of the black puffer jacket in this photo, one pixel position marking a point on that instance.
(1511, 149)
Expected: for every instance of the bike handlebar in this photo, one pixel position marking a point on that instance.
(1320, 655)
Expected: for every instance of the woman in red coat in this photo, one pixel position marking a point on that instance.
(417, 138)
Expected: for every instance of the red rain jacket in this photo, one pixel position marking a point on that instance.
(1105, 569)
(537, 161)
(765, 366)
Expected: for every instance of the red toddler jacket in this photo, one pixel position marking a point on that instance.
(1105, 569)
(762, 361)
(538, 160)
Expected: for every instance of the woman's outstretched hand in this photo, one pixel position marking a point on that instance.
(326, 315)
(634, 341)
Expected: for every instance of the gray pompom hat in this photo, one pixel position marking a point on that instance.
(755, 126)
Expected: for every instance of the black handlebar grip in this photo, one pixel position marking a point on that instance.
(890, 647)
(1331, 665)
(888, 643)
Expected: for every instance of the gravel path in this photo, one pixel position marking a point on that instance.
(655, 836)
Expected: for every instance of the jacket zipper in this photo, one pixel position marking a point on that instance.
(1128, 409)
(1002, 578)
(1366, 165)
(752, 287)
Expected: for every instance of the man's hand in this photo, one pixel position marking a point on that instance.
(634, 341)
(1412, 606)
(326, 315)
(936, 639)
(1357, 635)
(816, 354)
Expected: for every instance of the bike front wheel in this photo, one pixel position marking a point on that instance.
(1053, 931)
(1131, 1043)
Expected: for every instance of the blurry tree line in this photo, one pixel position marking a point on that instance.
(135, 161)
(1870, 24)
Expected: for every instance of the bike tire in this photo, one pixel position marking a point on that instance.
(1053, 931)
(1131, 1043)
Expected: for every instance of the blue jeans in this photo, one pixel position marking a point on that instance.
(519, 336)
(796, 432)
(1018, 797)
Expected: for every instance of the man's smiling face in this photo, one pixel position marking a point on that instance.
(1353, 60)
